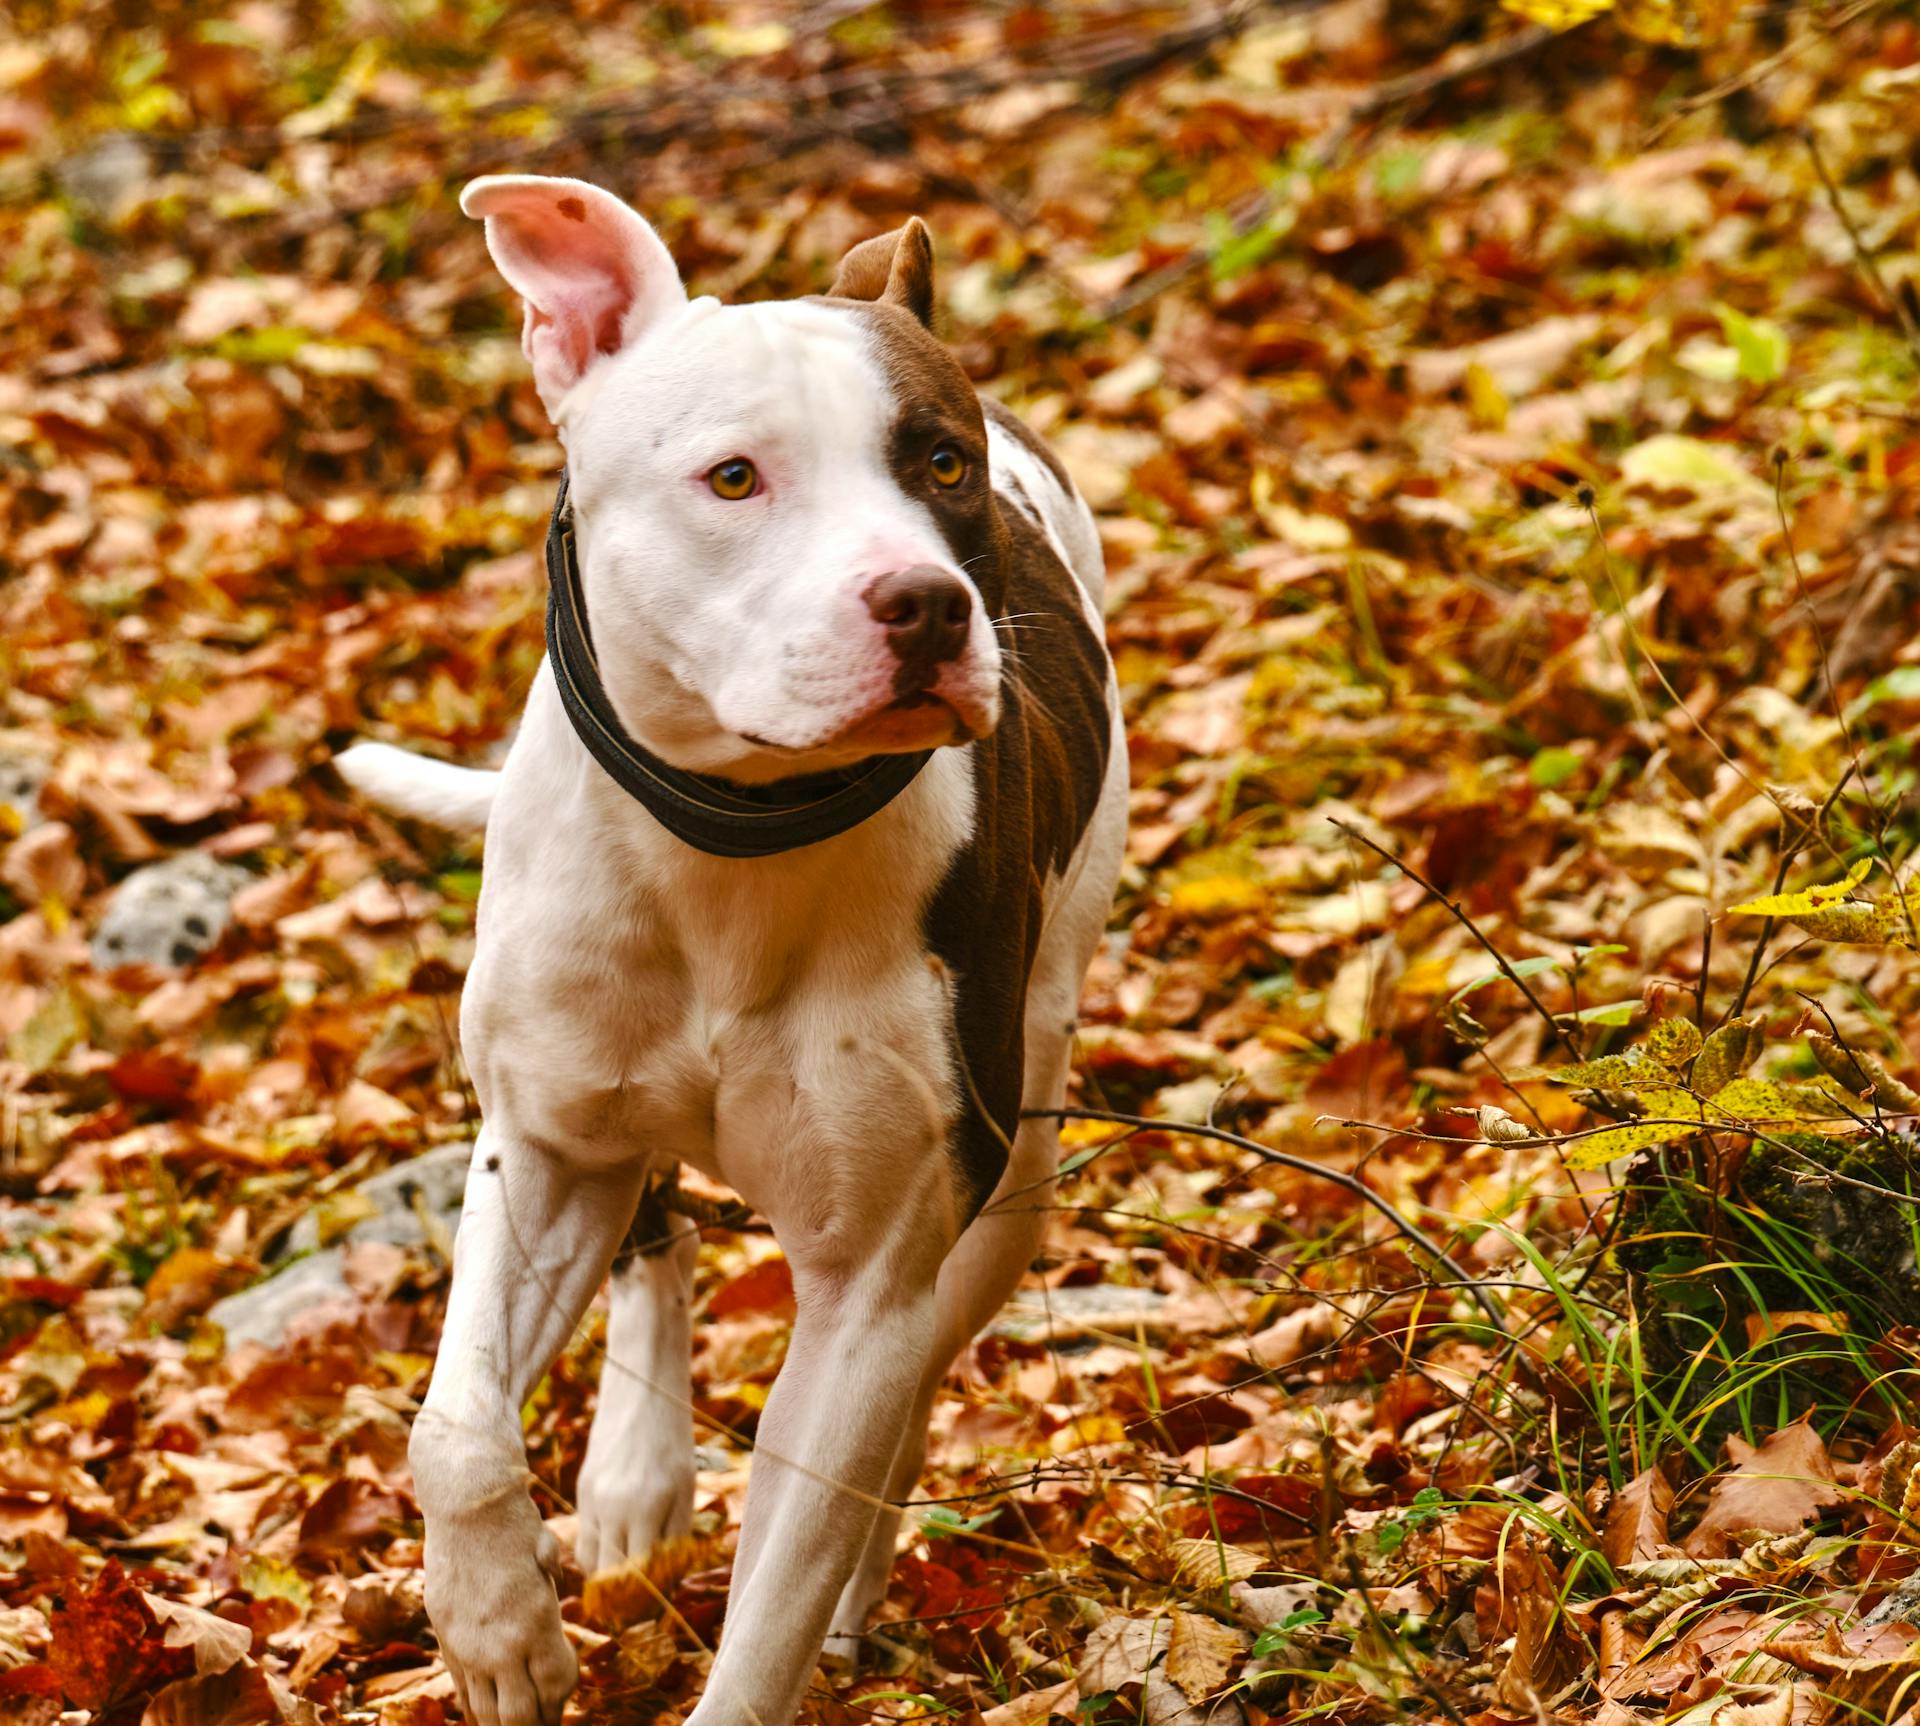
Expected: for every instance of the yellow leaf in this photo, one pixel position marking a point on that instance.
(1807, 901)
(1676, 23)
(1557, 14)
(1212, 895)
(637, 1590)
(1671, 1114)
(1087, 1430)
(1077, 1135)
(337, 106)
(1208, 1563)
(1758, 1100)
(747, 41)
(1726, 1055)
(1673, 1042)
(1882, 925)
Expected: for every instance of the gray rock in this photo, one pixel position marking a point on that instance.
(168, 914)
(108, 172)
(433, 1183)
(264, 1312)
(403, 1198)
(21, 776)
(1057, 1314)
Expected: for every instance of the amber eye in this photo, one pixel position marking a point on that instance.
(948, 464)
(734, 479)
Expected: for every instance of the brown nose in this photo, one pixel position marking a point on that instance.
(927, 613)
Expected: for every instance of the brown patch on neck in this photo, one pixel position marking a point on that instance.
(1037, 783)
(1037, 779)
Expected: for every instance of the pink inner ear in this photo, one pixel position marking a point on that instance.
(581, 264)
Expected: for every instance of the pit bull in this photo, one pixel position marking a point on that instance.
(793, 872)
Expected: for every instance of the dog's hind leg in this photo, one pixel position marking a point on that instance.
(636, 1484)
(536, 1235)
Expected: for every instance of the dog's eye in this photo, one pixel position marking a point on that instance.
(734, 479)
(948, 464)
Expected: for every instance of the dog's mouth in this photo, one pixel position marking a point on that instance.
(918, 720)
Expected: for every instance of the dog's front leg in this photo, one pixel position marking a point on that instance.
(826, 1445)
(535, 1238)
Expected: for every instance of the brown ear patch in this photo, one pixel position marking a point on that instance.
(573, 209)
(896, 268)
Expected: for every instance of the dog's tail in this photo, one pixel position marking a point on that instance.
(416, 785)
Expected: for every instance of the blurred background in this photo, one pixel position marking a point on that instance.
(1504, 432)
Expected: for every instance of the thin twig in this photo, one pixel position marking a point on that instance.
(1862, 255)
(1790, 849)
(1752, 73)
(1467, 923)
(1285, 1159)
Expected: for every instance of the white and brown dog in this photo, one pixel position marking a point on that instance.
(793, 873)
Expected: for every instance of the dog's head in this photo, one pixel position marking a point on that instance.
(788, 537)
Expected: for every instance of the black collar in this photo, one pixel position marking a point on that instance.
(712, 815)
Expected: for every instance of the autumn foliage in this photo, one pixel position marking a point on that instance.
(1504, 431)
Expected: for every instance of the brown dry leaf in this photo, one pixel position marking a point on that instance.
(45, 864)
(216, 1643)
(642, 1652)
(366, 1111)
(1780, 1706)
(1870, 1671)
(349, 1515)
(243, 1695)
(1032, 1706)
(1209, 1563)
(1636, 1528)
(1120, 1651)
(1762, 1326)
(1200, 1653)
(1773, 1489)
(188, 1282)
(1543, 1659)
(636, 1591)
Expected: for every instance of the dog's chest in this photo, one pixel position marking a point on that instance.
(714, 1011)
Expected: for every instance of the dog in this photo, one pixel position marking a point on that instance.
(794, 870)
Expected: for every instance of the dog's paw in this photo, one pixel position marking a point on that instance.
(842, 1653)
(491, 1601)
(622, 1518)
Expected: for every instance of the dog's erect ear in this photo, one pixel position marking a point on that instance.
(895, 267)
(593, 274)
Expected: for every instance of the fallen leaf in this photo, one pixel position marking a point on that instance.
(1636, 1528)
(1201, 1652)
(1774, 1488)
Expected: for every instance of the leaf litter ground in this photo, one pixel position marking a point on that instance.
(1507, 452)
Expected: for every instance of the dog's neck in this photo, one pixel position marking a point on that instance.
(715, 815)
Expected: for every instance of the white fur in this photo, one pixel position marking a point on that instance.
(774, 1023)
(1060, 513)
(419, 786)
(742, 621)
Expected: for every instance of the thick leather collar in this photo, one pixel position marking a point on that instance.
(712, 815)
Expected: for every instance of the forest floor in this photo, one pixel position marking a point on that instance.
(1507, 449)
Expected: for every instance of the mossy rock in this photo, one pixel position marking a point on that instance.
(1821, 1233)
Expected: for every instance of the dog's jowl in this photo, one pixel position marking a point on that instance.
(792, 875)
